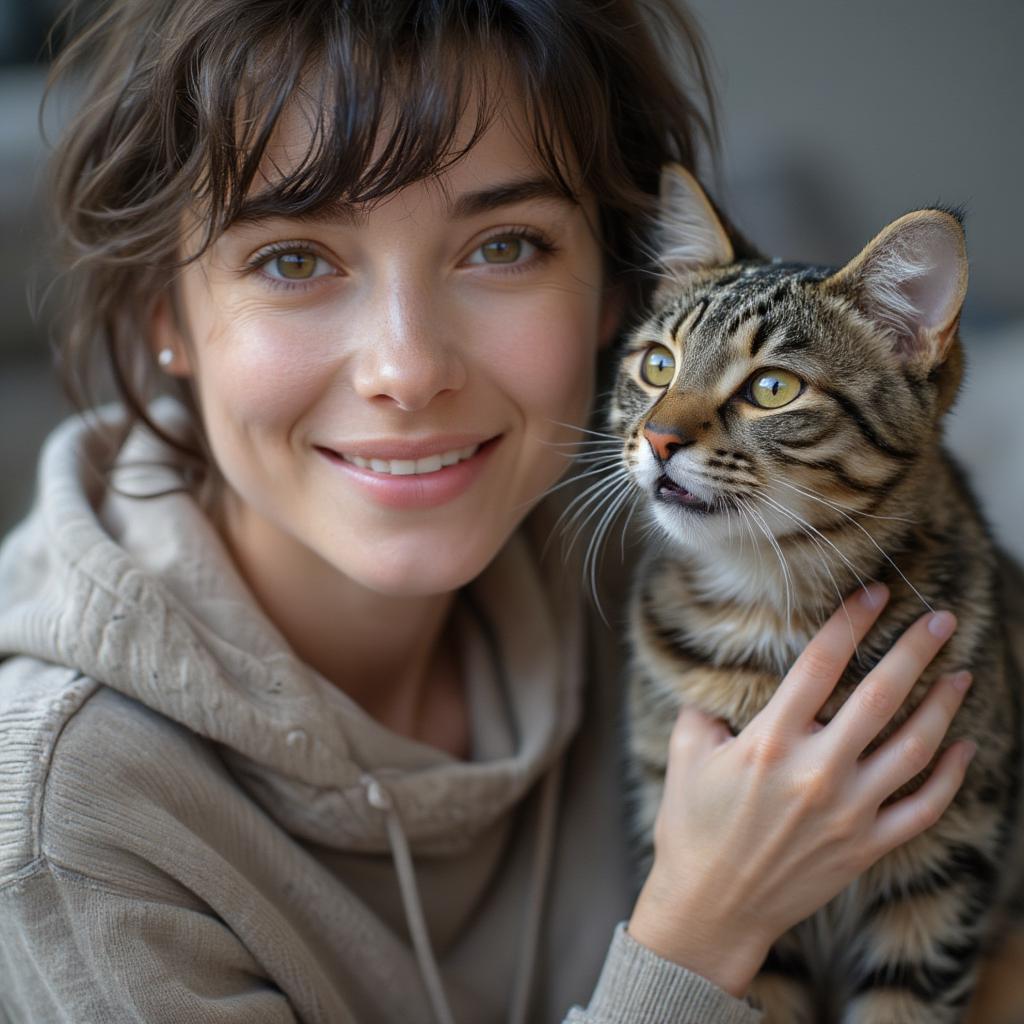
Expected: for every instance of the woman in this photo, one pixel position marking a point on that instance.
(300, 725)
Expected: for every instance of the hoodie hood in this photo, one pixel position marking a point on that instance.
(141, 595)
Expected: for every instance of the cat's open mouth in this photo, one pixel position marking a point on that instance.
(668, 490)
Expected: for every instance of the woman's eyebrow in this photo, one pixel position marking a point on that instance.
(468, 204)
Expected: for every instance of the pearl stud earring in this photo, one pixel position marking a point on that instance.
(165, 356)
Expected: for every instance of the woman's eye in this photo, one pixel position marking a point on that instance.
(658, 366)
(772, 389)
(296, 265)
(506, 249)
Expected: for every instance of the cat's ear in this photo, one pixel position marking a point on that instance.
(911, 280)
(690, 236)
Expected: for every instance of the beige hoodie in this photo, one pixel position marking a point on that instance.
(196, 826)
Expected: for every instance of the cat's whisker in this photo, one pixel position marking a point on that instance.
(744, 519)
(637, 498)
(599, 509)
(885, 555)
(575, 478)
(585, 441)
(591, 459)
(601, 495)
(609, 455)
(582, 500)
(811, 493)
(585, 495)
(586, 430)
(763, 526)
(592, 555)
(598, 456)
(807, 528)
(579, 504)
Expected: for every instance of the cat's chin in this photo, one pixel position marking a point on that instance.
(692, 529)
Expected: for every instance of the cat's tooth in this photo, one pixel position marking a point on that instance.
(358, 460)
(465, 453)
(431, 464)
(380, 465)
(402, 467)
(450, 458)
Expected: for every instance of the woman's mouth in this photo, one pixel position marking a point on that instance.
(429, 480)
(411, 467)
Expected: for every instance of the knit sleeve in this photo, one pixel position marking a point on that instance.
(637, 986)
(71, 950)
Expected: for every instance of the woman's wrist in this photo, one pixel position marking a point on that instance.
(729, 958)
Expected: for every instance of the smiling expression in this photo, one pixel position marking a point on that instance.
(382, 389)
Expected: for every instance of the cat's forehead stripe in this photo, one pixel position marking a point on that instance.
(688, 318)
(764, 330)
(789, 341)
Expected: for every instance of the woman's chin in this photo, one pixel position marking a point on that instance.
(418, 577)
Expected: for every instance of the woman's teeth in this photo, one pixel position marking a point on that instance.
(407, 467)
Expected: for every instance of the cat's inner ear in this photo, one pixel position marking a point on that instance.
(910, 280)
(690, 237)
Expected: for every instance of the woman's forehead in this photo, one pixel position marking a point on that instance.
(490, 160)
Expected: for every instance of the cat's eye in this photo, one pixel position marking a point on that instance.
(772, 389)
(658, 366)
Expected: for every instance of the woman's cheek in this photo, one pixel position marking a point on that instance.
(553, 360)
(266, 375)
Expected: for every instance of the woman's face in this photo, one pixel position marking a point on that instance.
(383, 389)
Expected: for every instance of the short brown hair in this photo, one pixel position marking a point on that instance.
(181, 98)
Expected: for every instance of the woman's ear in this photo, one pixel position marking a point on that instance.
(167, 340)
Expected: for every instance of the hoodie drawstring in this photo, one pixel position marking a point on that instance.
(378, 797)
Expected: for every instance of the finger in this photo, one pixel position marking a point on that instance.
(815, 673)
(901, 821)
(911, 748)
(882, 691)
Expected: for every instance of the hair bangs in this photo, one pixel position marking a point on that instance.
(378, 115)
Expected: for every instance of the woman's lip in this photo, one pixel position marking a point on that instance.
(407, 448)
(418, 490)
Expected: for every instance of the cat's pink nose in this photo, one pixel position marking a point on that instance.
(663, 442)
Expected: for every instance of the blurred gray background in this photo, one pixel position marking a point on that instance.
(836, 118)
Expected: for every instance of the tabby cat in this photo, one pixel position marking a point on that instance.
(782, 428)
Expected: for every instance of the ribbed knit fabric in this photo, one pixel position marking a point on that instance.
(639, 987)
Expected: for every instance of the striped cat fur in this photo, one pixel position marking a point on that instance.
(781, 427)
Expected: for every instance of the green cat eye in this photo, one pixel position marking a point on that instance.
(772, 389)
(658, 366)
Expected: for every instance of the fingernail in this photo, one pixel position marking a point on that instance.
(942, 624)
(969, 751)
(875, 595)
(961, 681)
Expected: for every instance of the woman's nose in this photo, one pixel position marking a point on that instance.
(409, 354)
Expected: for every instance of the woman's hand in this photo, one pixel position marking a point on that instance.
(757, 831)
